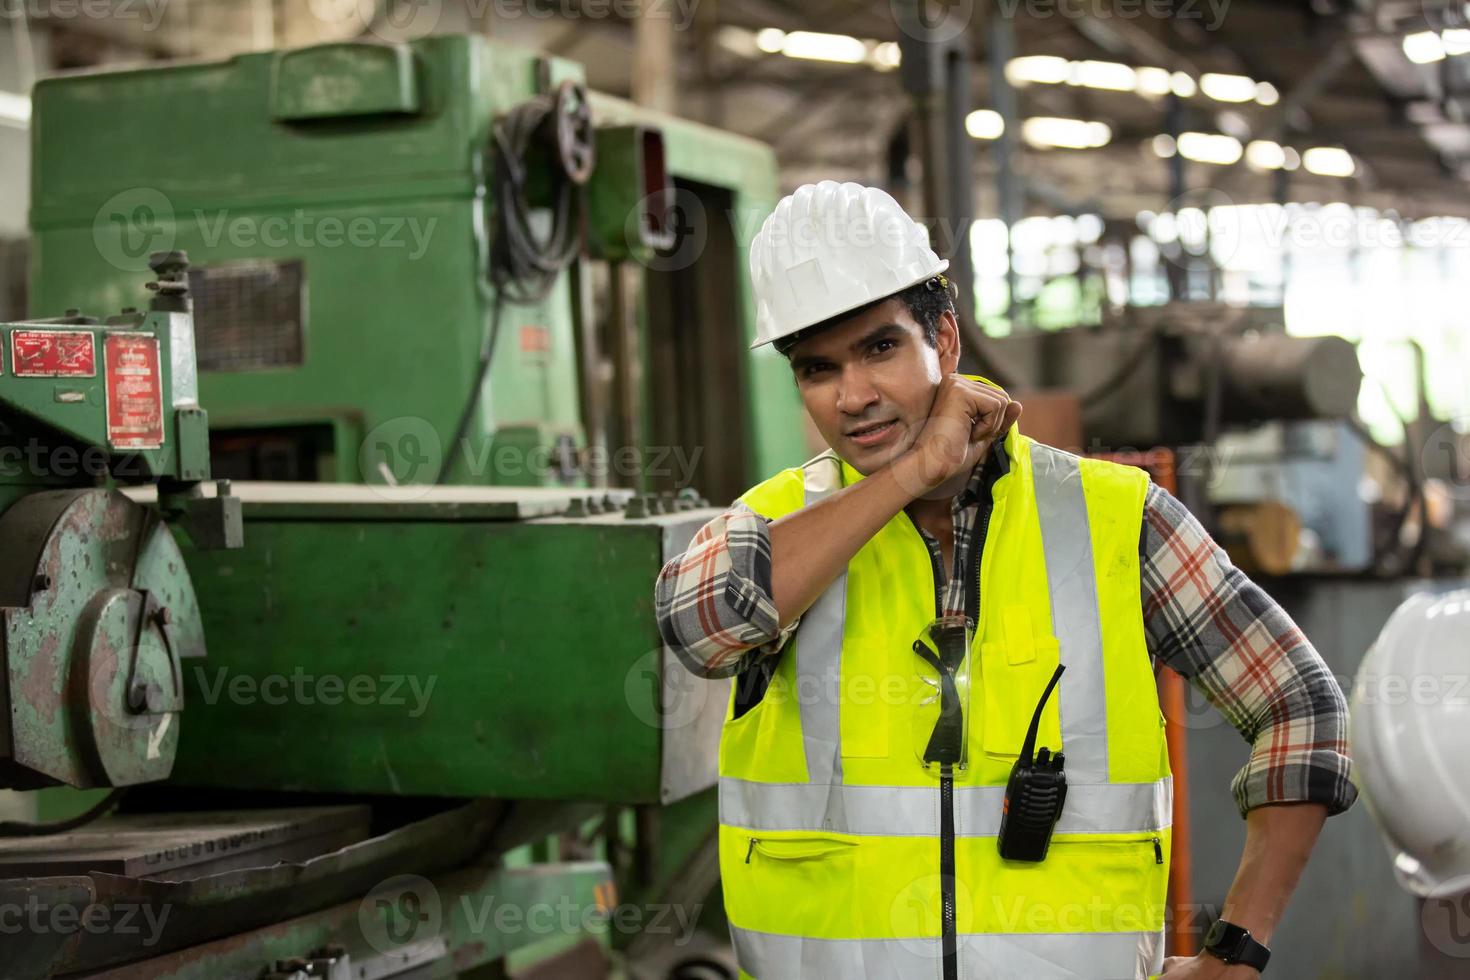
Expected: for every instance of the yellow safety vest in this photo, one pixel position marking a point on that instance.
(830, 828)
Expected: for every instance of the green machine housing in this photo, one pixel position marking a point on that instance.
(336, 203)
(452, 519)
(98, 608)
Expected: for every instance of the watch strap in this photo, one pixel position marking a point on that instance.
(1234, 944)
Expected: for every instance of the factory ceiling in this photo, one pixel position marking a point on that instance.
(1272, 101)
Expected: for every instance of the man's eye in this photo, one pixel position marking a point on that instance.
(883, 346)
(813, 369)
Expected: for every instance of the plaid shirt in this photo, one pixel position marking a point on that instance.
(1202, 617)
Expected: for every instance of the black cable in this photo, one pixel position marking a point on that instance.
(487, 358)
(523, 266)
(19, 828)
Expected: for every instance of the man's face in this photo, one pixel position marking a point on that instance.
(869, 382)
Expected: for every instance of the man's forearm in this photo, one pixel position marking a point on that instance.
(1278, 841)
(810, 547)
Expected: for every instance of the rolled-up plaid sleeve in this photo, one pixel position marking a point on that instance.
(713, 602)
(1209, 622)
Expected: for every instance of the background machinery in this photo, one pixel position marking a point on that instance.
(433, 292)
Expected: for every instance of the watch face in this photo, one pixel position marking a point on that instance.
(1225, 940)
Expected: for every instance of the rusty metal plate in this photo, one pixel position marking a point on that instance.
(179, 846)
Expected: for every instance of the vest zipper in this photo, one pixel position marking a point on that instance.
(948, 939)
(751, 849)
(1158, 851)
(975, 552)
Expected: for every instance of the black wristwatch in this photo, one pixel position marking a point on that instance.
(1233, 944)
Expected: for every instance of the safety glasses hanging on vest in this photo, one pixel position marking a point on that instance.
(1037, 788)
(940, 720)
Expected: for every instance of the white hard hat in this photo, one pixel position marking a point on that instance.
(829, 248)
(1409, 730)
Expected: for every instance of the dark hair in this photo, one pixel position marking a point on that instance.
(927, 301)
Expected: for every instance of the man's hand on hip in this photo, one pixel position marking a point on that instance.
(1206, 967)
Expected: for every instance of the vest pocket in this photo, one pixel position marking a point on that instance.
(1095, 883)
(1017, 660)
(796, 883)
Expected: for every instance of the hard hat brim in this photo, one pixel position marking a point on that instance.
(856, 305)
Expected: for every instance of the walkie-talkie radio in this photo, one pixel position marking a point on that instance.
(1034, 794)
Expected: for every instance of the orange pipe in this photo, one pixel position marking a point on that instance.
(1183, 937)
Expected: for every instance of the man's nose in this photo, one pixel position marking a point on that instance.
(856, 392)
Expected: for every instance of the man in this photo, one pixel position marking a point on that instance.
(865, 758)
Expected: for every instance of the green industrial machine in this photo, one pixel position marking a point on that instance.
(470, 338)
(99, 610)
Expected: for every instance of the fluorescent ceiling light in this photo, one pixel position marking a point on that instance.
(1423, 47)
(1293, 158)
(1153, 81)
(1043, 68)
(886, 55)
(1227, 88)
(824, 47)
(1045, 132)
(1107, 75)
(1266, 93)
(1183, 84)
(1164, 145)
(985, 124)
(770, 40)
(1209, 148)
(1265, 155)
(1456, 41)
(1329, 161)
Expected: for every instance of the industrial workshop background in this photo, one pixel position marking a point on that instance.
(365, 360)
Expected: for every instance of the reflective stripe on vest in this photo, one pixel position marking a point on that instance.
(1032, 956)
(819, 649)
(1107, 808)
(1067, 543)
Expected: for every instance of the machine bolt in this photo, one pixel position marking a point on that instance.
(144, 698)
(41, 583)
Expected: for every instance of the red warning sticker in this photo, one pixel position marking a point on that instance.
(134, 391)
(53, 354)
(535, 340)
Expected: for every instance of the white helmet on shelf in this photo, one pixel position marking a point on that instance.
(829, 248)
(1409, 731)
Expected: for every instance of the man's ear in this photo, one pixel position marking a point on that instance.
(947, 342)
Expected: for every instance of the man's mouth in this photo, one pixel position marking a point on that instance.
(872, 433)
